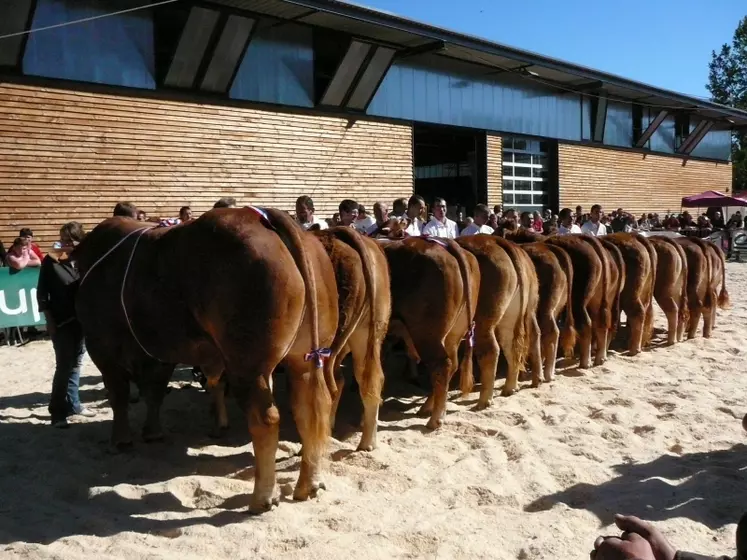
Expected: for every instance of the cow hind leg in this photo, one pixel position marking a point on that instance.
(709, 319)
(217, 386)
(339, 377)
(508, 344)
(370, 377)
(534, 341)
(672, 311)
(117, 382)
(600, 334)
(311, 405)
(487, 352)
(155, 380)
(441, 366)
(636, 314)
(549, 341)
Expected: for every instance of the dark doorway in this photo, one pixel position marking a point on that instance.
(450, 163)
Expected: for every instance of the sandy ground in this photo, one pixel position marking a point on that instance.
(539, 475)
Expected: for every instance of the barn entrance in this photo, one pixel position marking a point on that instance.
(450, 163)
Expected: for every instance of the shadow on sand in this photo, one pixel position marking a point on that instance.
(709, 488)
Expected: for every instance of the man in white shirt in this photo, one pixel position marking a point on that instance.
(440, 225)
(348, 212)
(382, 221)
(594, 226)
(480, 225)
(566, 224)
(399, 208)
(305, 214)
(415, 211)
(364, 220)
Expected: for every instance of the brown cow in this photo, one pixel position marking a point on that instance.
(239, 290)
(616, 278)
(555, 275)
(506, 318)
(648, 332)
(609, 298)
(638, 286)
(701, 297)
(670, 289)
(364, 306)
(592, 315)
(433, 283)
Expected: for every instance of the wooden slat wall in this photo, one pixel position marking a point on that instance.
(68, 155)
(495, 170)
(636, 182)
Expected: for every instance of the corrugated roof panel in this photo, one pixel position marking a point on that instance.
(362, 29)
(273, 8)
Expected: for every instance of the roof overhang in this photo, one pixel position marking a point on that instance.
(411, 37)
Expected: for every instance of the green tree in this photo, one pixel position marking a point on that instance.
(727, 82)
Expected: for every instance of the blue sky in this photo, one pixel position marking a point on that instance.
(666, 43)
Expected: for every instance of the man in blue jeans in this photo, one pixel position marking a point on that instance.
(55, 293)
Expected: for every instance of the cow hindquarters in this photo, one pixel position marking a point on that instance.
(370, 377)
(117, 382)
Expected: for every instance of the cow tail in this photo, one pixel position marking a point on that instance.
(466, 376)
(369, 387)
(568, 334)
(710, 298)
(320, 395)
(684, 310)
(648, 332)
(616, 254)
(723, 296)
(521, 333)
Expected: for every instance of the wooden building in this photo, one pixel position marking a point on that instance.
(182, 103)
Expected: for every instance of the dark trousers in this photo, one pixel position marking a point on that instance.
(69, 348)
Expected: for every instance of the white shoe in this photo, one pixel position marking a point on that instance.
(87, 412)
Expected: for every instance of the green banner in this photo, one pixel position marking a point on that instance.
(18, 307)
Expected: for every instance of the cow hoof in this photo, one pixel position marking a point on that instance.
(549, 378)
(264, 506)
(302, 494)
(482, 405)
(508, 392)
(434, 423)
(217, 432)
(425, 410)
(368, 447)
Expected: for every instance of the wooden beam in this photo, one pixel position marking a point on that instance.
(695, 137)
(649, 132)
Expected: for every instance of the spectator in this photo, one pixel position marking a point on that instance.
(142, 216)
(547, 214)
(461, 224)
(381, 226)
(3, 254)
(55, 293)
(735, 221)
(334, 221)
(594, 225)
(126, 210)
(21, 256)
(305, 214)
(619, 220)
(348, 212)
(537, 222)
(566, 225)
(399, 208)
(440, 225)
(225, 202)
(550, 227)
(526, 221)
(26, 233)
(480, 225)
(580, 217)
(493, 221)
(363, 221)
(718, 220)
(498, 210)
(644, 224)
(185, 214)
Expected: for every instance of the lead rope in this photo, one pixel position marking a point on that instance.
(133, 232)
(121, 293)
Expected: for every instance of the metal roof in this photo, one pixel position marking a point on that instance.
(392, 30)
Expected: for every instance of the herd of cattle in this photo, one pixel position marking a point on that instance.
(240, 292)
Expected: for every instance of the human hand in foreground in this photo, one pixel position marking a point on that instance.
(659, 545)
(630, 546)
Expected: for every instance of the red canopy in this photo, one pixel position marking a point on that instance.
(712, 198)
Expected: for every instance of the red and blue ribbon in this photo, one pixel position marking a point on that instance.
(320, 354)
